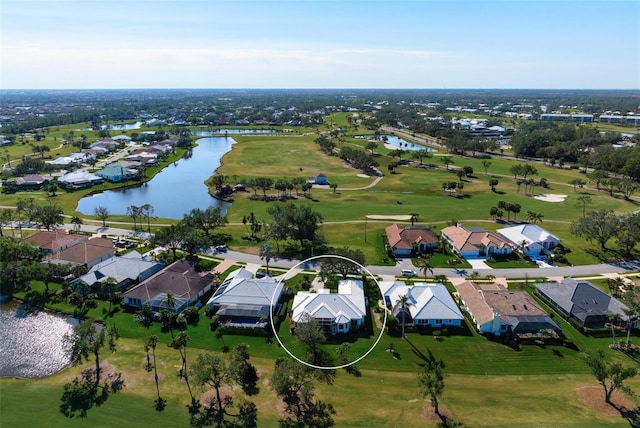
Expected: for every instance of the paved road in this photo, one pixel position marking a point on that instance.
(587, 270)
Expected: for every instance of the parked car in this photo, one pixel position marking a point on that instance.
(221, 248)
(409, 273)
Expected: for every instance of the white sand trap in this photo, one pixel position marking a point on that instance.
(551, 197)
(389, 217)
(363, 175)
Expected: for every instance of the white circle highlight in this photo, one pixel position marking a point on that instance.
(275, 333)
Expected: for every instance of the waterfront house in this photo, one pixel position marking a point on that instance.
(179, 278)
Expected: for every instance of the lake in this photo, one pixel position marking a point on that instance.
(398, 142)
(232, 131)
(31, 344)
(174, 191)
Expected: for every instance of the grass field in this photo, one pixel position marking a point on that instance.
(488, 384)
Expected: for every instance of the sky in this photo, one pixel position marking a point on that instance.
(396, 44)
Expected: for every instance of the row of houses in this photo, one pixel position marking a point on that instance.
(588, 118)
(472, 242)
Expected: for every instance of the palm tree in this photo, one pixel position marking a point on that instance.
(414, 218)
(108, 288)
(403, 302)
(265, 254)
(147, 211)
(133, 211)
(425, 266)
(170, 300)
(441, 279)
(584, 200)
(77, 222)
(180, 343)
(152, 343)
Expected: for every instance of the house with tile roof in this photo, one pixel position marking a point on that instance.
(582, 301)
(179, 278)
(54, 241)
(496, 310)
(531, 239)
(338, 312)
(404, 241)
(244, 300)
(474, 243)
(430, 305)
(87, 253)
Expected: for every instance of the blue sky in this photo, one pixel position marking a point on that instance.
(319, 44)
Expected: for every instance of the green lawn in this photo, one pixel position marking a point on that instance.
(488, 383)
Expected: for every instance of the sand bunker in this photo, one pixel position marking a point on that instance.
(389, 217)
(363, 175)
(551, 197)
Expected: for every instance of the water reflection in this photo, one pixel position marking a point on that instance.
(397, 142)
(31, 343)
(231, 132)
(174, 191)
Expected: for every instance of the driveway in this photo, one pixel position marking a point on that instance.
(478, 264)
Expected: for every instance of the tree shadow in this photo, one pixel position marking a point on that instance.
(630, 415)
(82, 393)
(417, 352)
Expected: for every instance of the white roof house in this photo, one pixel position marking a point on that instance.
(241, 299)
(79, 178)
(336, 312)
(429, 304)
(126, 270)
(537, 239)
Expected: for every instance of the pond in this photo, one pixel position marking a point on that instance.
(398, 143)
(232, 132)
(173, 192)
(31, 344)
(122, 126)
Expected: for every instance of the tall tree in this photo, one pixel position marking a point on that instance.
(265, 254)
(87, 341)
(171, 237)
(49, 216)
(610, 375)
(293, 382)
(598, 226)
(7, 216)
(431, 381)
(102, 213)
(205, 220)
(309, 332)
(179, 343)
(147, 212)
(300, 222)
(403, 302)
(343, 265)
(211, 371)
(77, 222)
(486, 164)
(152, 343)
(134, 211)
(583, 201)
(425, 267)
